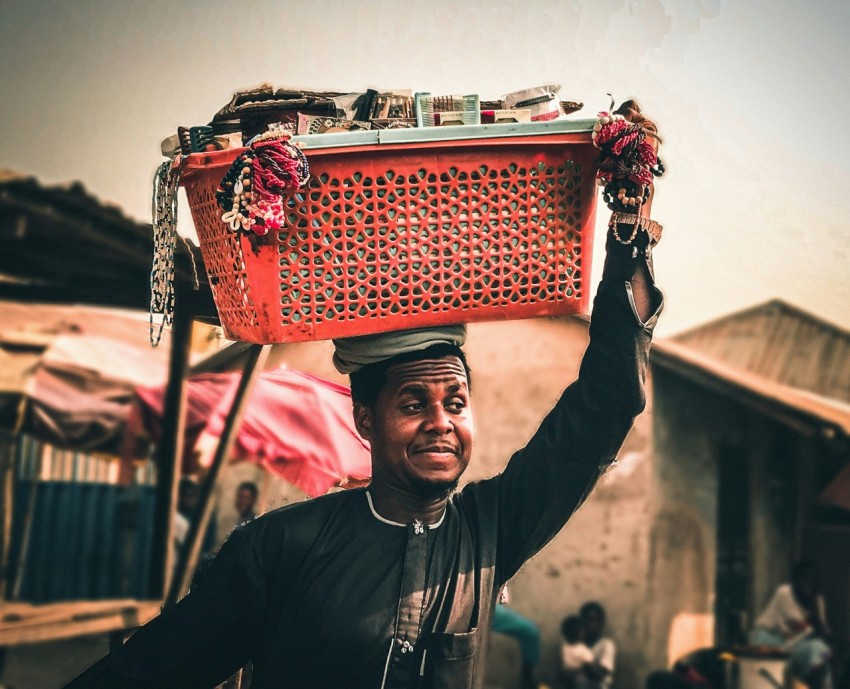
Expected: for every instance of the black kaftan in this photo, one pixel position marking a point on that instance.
(327, 594)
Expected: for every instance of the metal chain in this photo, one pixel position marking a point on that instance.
(164, 212)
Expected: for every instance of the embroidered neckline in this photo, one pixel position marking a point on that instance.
(392, 523)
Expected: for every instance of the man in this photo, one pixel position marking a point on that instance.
(599, 673)
(245, 503)
(188, 494)
(795, 622)
(394, 585)
(188, 497)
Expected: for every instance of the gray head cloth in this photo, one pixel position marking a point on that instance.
(353, 353)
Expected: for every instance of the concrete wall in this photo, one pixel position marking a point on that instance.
(691, 426)
(519, 370)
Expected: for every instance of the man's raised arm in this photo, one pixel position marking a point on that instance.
(550, 477)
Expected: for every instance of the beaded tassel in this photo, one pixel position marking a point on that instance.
(627, 162)
(251, 193)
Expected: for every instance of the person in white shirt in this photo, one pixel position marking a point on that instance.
(795, 621)
(574, 652)
(598, 671)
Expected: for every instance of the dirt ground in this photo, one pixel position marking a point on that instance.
(50, 665)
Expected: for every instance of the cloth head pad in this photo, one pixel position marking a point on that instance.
(353, 353)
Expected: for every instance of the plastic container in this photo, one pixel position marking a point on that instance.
(762, 673)
(404, 228)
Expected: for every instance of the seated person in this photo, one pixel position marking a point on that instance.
(795, 621)
(700, 669)
(574, 652)
(599, 673)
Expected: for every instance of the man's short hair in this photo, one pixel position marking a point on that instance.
(367, 383)
(592, 607)
(571, 627)
(802, 567)
(250, 486)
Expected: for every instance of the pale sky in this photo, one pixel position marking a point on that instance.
(751, 98)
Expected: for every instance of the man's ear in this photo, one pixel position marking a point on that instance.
(363, 420)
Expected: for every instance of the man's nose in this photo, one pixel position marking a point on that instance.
(438, 419)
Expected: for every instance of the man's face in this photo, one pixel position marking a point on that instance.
(244, 500)
(805, 583)
(421, 427)
(594, 625)
(188, 499)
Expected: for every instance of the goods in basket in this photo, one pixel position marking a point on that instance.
(505, 116)
(312, 124)
(374, 105)
(394, 123)
(250, 112)
(429, 107)
(541, 100)
(252, 192)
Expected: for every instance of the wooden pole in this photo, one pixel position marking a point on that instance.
(16, 581)
(257, 356)
(7, 489)
(169, 451)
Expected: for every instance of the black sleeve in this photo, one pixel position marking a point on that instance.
(203, 639)
(547, 480)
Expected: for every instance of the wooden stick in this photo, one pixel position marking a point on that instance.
(169, 451)
(7, 489)
(257, 356)
(69, 625)
(16, 581)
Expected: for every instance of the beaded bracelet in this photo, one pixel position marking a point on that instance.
(652, 228)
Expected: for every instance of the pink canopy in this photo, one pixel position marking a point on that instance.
(296, 425)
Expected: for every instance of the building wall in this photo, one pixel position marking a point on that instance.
(681, 537)
(691, 426)
(519, 369)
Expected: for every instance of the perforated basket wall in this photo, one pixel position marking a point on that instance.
(403, 236)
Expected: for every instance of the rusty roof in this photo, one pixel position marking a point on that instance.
(774, 357)
(781, 343)
(61, 244)
(801, 409)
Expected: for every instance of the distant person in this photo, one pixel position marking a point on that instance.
(795, 621)
(188, 499)
(599, 673)
(246, 503)
(188, 494)
(509, 622)
(575, 654)
(700, 669)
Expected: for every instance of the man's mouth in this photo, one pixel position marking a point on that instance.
(436, 450)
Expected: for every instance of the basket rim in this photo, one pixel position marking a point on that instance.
(552, 132)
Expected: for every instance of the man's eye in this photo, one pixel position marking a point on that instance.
(456, 406)
(412, 406)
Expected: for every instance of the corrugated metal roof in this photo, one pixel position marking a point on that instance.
(799, 408)
(780, 343)
(61, 244)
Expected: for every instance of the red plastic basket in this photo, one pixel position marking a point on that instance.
(394, 236)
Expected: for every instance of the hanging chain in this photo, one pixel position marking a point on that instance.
(164, 211)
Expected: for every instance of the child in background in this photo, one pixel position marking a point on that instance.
(574, 652)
